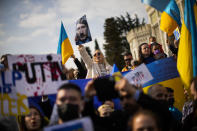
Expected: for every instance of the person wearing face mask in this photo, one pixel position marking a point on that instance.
(145, 55)
(69, 104)
(152, 40)
(156, 51)
(132, 99)
(159, 93)
(97, 66)
(175, 112)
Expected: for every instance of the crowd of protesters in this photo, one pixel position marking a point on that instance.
(153, 111)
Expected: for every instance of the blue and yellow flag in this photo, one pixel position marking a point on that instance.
(114, 69)
(157, 4)
(187, 53)
(170, 18)
(64, 46)
(116, 73)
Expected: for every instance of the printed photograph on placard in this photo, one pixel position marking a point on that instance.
(82, 31)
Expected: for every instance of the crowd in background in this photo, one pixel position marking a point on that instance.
(153, 111)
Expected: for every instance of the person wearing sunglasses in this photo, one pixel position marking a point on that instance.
(97, 66)
(127, 59)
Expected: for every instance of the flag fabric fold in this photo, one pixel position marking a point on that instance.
(170, 18)
(186, 62)
(157, 4)
(64, 45)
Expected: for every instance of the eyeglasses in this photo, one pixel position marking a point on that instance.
(125, 97)
(32, 114)
(127, 59)
(97, 54)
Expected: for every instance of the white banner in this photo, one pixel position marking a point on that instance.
(39, 74)
(140, 75)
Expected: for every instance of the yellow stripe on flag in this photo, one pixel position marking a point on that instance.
(177, 86)
(167, 24)
(67, 50)
(195, 12)
(184, 61)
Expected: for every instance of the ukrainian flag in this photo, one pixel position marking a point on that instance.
(64, 46)
(170, 18)
(116, 73)
(157, 4)
(187, 53)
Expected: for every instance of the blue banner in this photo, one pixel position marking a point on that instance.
(161, 70)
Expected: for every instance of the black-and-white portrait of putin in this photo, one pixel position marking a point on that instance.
(82, 31)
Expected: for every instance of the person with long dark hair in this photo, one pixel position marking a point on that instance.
(34, 121)
(145, 55)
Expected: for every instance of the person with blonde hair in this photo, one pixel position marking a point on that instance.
(97, 66)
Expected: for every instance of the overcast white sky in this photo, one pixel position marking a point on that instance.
(33, 26)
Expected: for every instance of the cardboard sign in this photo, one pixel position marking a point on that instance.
(12, 102)
(37, 60)
(40, 74)
(82, 31)
(140, 75)
(83, 124)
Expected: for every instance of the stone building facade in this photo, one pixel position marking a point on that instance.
(141, 34)
(137, 36)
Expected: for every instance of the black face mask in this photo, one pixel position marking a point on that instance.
(163, 102)
(68, 112)
(171, 102)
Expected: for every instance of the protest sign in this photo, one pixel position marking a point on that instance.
(82, 31)
(140, 75)
(12, 102)
(83, 124)
(162, 71)
(40, 74)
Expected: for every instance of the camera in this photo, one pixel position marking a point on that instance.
(105, 88)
